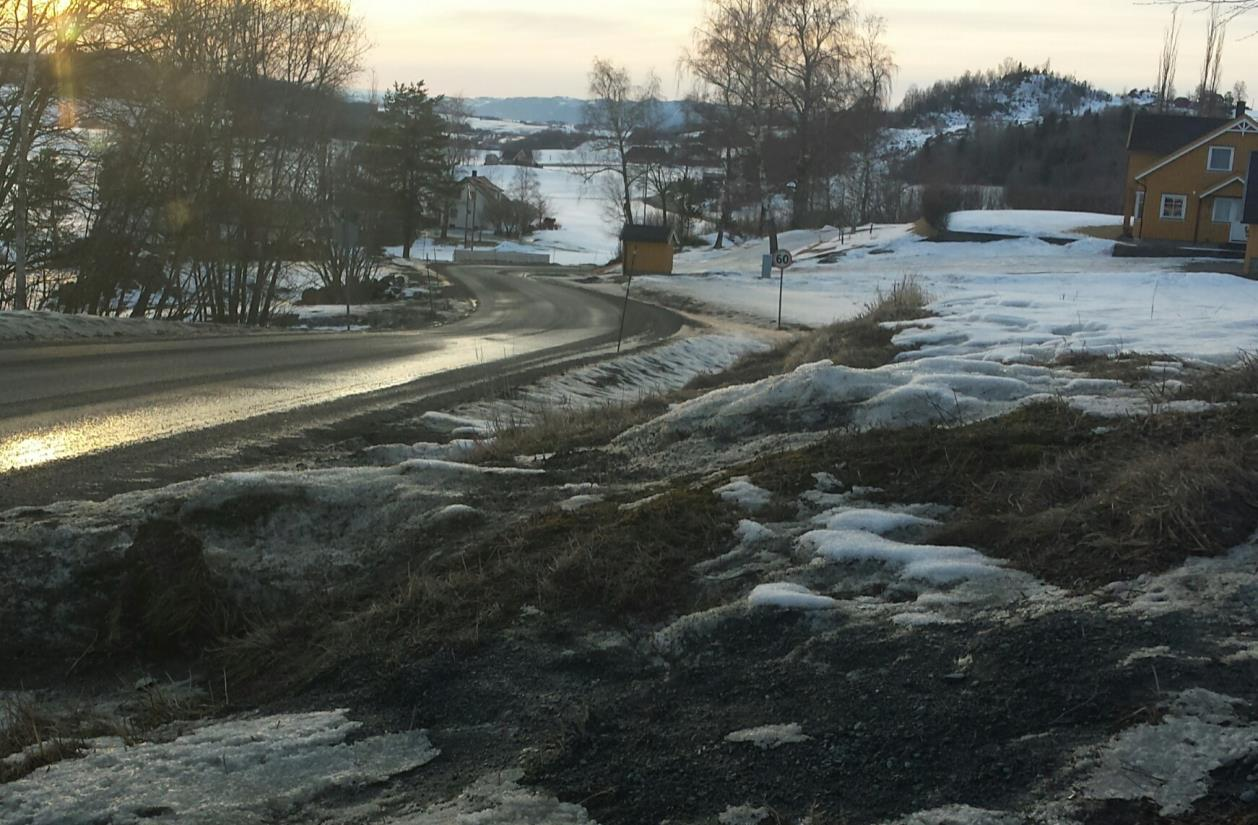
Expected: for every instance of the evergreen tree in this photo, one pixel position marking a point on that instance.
(408, 155)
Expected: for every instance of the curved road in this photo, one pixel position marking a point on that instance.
(87, 420)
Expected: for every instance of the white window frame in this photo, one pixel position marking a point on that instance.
(1138, 210)
(1233, 203)
(1183, 211)
(1231, 159)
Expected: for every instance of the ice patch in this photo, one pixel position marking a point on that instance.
(1170, 763)
(959, 815)
(239, 771)
(788, 596)
(497, 799)
(743, 815)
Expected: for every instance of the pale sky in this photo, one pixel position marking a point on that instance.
(502, 48)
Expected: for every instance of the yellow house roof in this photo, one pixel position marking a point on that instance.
(1243, 125)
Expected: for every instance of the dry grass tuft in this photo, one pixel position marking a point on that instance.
(558, 428)
(864, 341)
(1224, 384)
(169, 601)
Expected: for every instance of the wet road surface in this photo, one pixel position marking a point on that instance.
(84, 420)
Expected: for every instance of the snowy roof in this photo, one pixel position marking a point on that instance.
(1166, 133)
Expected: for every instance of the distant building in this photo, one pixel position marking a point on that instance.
(524, 158)
(476, 197)
(1186, 177)
(647, 250)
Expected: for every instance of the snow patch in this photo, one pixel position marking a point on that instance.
(768, 737)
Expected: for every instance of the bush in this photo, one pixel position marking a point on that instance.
(938, 204)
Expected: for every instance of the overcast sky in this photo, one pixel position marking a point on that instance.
(544, 47)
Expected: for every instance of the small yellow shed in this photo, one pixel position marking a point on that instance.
(647, 250)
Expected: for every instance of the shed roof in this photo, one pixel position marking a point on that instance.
(1250, 215)
(646, 234)
(1164, 134)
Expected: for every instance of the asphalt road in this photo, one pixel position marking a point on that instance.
(88, 420)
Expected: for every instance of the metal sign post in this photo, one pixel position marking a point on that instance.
(781, 259)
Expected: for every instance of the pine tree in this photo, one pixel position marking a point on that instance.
(407, 156)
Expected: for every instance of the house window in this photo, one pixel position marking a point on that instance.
(1226, 210)
(1220, 159)
(1173, 207)
(1138, 212)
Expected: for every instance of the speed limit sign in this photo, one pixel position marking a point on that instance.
(782, 259)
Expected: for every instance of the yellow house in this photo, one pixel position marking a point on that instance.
(647, 250)
(1192, 193)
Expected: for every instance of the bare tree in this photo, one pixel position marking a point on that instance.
(1168, 61)
(527, 203)
(733, 56)
(618, 113)
(1212, 64)
(39, 41)
(812, 67)
(874, 68)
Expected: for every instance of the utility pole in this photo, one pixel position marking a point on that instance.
(20, 206)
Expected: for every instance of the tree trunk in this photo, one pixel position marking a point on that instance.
(22, 161)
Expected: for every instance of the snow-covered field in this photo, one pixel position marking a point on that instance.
(1015, 300)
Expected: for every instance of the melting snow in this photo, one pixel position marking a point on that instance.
(240, 771)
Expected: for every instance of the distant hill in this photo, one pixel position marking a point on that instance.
(566, 110)
(1013, 93)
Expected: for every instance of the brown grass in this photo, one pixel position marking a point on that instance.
(1040, 487)
(1222, 384)
(863, 341)
(599, 566)
(49, 735)
(1105, 233)
(557, 428)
